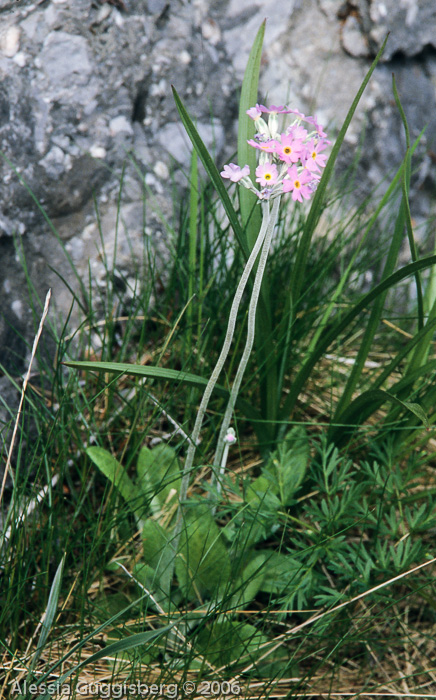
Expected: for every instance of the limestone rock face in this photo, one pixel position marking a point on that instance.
(85, 91)
(411, 22)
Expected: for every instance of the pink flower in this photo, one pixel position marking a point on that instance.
(254, 112)
(266, 174)
(298, 184)
(297, 131)
(298, 114)
(314, 159)
(318, 127)
(234, 172)
(274, 109)
(268, 146)
(289, 149)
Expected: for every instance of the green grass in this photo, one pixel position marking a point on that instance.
(295, 578)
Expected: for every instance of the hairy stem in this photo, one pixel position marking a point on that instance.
(272, 219)
(217, 369)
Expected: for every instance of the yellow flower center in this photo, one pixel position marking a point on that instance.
(297, 184)
(267, 176)
(287, 150)
(313, 155)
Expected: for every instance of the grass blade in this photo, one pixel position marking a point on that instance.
(118, 477)
(382, 204)
(375, 315)
(299, 271)
(405, 185)
(193, 216)
(171, 375)
(213, 173)
(330, 336)
(135, 640)
(250, 214)
(365, 405)
(50, 612)
(251, 221)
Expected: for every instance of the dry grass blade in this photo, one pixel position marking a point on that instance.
(282, 637)
(23, 391)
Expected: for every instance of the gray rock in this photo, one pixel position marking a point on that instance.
(353, 38)
(412, 24)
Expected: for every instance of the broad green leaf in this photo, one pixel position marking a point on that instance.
(203, 563)
(288, 464)
(110, 603)
(257, 489)
(150, 580)
(159, 554)
(223, 643)
(171, 375)
(250, 213)
(213, 173)
(285, 575)
(159, 475)
(260, 516)
(248, 584)
(115, 472)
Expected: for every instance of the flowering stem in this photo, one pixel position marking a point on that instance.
(270, 218)
(217, 369)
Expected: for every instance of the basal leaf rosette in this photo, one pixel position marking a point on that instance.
(289, 161)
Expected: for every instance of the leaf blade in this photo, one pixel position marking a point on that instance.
(250, 214)
(212, 171)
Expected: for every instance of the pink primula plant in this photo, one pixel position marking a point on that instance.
(289, 161)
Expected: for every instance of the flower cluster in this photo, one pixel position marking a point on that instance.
(289, 161)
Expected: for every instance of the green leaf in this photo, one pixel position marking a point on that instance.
(159, 475)
(248, 584)
(115, 472)
(171, 375)
(50, 612)
(223, 643)
(203, 563)
(213, 173)
(250, 213)
(260, 516)
(251, 217)
(193, 217)
(288, 464)
(285, 574)
(159, 554)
